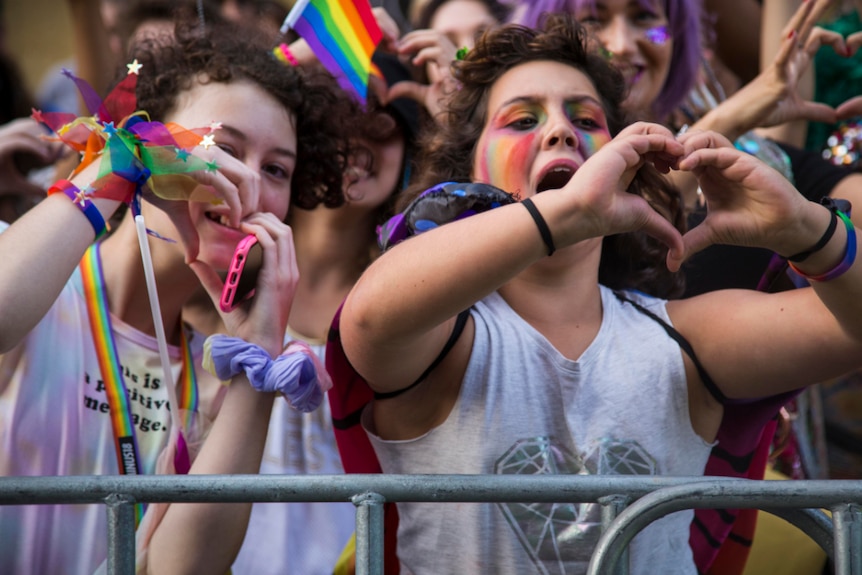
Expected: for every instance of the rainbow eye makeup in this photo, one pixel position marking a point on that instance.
(515, 135)
(590, 126)
(658, 35)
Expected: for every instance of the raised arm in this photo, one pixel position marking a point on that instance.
(776, 13)
(42, 248)
(756, 344)
(205, 538)
(773, 97)
(400, 313)
(40, 252)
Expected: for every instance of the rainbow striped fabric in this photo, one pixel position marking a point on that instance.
(343, 34)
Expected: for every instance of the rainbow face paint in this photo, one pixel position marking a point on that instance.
(503, 159)
(513, 139)
(533, 122)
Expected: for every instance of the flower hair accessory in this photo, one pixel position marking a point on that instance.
(438, 205)
(297, 373)
(134, 151)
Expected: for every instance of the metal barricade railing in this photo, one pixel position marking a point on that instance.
(653, 497)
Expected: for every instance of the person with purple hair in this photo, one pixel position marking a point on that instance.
(675, 24)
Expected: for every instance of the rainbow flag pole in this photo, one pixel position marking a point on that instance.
(343, 34)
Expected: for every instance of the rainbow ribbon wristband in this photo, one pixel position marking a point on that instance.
(83, 203)
(845, 263)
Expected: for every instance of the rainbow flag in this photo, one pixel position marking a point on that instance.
(343, 34)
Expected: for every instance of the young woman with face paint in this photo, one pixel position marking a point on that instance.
(657, 46)
(558, 363)
(645, 39)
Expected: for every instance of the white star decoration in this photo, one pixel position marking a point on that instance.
(134, 67)
(81, 198)
(207, 141)
(215, 126)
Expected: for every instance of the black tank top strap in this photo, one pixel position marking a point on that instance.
(460, 322)
(683, 343)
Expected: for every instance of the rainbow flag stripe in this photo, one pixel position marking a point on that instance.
(100, 322)
(343, 34)
(187, 392)
(125, 441)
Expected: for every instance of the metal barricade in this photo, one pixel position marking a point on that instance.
(650, 498)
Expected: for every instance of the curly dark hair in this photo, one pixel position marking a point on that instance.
(227, 53)
(629, 261)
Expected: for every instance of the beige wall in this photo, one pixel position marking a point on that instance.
(37, 34)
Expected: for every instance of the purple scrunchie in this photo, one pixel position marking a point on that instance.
(294, 374)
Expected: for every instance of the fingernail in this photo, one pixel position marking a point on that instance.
(792, 34)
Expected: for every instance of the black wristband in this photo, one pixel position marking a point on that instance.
(544, 230)
(833, 206)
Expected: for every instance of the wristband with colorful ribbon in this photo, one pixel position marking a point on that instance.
(134, 151)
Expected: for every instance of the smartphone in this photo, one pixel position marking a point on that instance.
(241, 278)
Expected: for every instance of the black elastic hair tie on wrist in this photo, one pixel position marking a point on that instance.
(833, 206)
(544, 230)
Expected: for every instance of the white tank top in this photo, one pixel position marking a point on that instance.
(524, 408)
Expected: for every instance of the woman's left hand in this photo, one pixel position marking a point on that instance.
(748, 202)
(852, 107)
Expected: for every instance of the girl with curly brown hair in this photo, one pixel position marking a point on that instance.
(271, 138)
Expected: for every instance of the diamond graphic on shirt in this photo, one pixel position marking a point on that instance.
(613, 457)
(560, 537)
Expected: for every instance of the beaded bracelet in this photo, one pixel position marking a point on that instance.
(544, 230)
(845, 263)
(283, 53)
(83, 203)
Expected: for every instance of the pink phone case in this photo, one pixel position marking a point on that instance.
(232, 293)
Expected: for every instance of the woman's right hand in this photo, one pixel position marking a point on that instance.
(600, 188)
(22, 148)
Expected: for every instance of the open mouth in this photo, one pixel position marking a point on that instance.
(555, 178)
